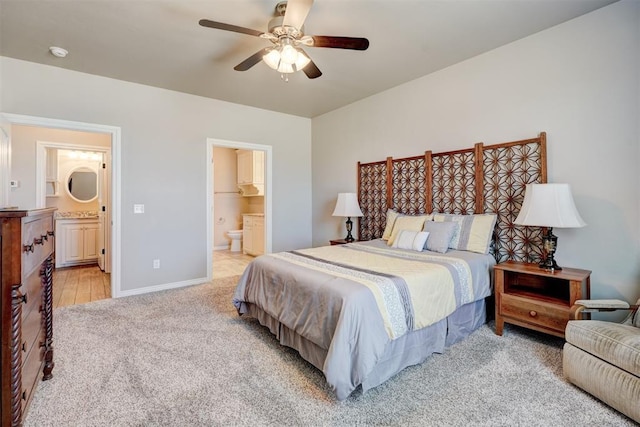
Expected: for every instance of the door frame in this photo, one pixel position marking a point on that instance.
(5, 161)
(268, 154)
(116, 190)
(41, 197)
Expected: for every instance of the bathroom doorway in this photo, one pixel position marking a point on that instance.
(55, 166)
(237, 200)
(30, 199)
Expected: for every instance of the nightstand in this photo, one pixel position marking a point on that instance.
(340, 242)
(538, 299)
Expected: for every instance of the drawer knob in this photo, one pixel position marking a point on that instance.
(24, 395)
(37, 241)
(533, 313)
(28, 248)
(21, 297)
(50, 233)
(45, 237)
(24, 346)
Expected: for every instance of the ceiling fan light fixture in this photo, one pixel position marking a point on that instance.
(302, 60)
(286, 59)
(288, 54)
(272, 59)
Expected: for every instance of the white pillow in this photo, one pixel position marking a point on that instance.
(391, 219)
(407, 222)
(414, 240)
(473, 233)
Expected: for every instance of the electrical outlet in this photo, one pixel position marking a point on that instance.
(156, 263)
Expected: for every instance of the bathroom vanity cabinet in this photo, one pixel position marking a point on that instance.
(253, 234)
(77, 241)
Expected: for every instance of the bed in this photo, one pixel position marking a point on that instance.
(363, 311)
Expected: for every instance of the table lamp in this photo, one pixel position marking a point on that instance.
(347, 205)
(549, 205)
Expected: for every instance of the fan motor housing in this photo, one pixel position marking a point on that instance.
(276, 28)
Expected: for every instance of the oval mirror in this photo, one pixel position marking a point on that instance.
(82, 184)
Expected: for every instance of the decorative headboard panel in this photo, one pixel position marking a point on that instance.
(482, 179)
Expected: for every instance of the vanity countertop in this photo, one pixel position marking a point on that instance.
(77, 215)
(253, 214)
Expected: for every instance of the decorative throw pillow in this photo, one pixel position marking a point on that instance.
(440, 234)
(474, 231)
(407, 222)
(391, 219)
(414, 240)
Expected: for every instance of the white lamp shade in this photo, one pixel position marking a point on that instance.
(347, 205)
(549, 205)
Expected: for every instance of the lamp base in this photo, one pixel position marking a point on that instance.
(549, 245)
(349, 237)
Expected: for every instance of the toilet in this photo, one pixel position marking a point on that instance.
(236, 239)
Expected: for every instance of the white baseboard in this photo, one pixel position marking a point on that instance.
(221, 248)
(163, 287)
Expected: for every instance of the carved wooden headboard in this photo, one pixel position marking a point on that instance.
(481, 179)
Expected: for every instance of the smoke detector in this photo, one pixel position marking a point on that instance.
(58, 51)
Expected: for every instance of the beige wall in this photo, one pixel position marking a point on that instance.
(23, 158)
(578, 81)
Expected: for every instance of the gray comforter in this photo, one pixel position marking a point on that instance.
(353, 300)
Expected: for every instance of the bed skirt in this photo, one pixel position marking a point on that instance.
(410, 349)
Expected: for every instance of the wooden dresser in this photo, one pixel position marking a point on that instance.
(26, 269)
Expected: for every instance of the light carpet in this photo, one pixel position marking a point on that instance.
(185, 358)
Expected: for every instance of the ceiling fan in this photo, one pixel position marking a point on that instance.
(286, 33)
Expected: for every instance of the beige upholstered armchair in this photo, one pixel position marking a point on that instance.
(603, 358)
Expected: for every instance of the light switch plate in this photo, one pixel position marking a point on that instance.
(138, 209)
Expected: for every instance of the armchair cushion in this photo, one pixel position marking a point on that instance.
(612, 342)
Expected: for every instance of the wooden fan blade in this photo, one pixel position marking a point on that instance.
(252, 60)
(296, 13)
(355, 43)
(312, 71)
(229, 27)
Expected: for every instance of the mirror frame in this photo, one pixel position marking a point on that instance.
(80, 169)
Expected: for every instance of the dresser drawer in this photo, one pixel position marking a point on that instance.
(31, 328)
(32, 290)
(552, 316)
(32, 369)
(37, 243)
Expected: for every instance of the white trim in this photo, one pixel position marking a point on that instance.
(115, 199)
(221, 248)
(268, 151)
(164, 287)
(5, 161)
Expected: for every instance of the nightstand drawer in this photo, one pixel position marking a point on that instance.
(542, 314)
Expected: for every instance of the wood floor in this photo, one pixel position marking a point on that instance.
(78, 285)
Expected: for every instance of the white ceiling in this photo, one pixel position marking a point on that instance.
(160, 43)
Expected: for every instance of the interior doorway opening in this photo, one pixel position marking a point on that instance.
(59, 170)
(112, 192)
(238, 205)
